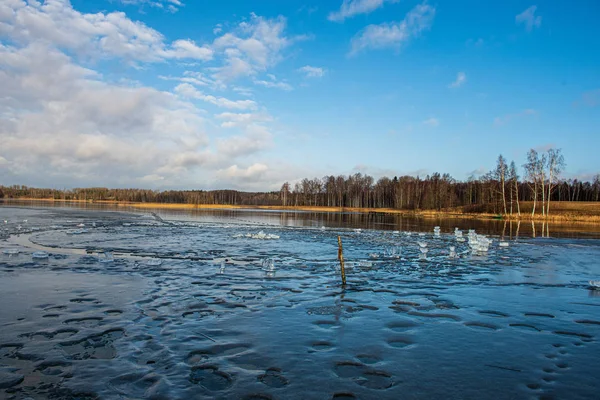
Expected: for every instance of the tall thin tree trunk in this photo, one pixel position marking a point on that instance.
(543, 196)
(535, 190)
(549, 192)
(518, 207)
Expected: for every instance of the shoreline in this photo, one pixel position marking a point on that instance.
(559, 217)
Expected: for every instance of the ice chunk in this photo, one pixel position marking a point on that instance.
(11, 252)
(595, 284)
(503, 244)
(392, 252)
(268, 264)
(39, 255)
(452, 253)
(263, 236)
(154, 262)
(108, 257)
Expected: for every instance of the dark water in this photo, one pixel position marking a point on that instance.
(213, 321)
(377, 221)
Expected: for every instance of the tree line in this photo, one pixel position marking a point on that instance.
(499, 191)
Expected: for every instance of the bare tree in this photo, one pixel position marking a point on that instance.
(596, 186)
(556, 164)
(532, 171)
(284, 192)
(543, 160)
(500, 175)
(514, 185)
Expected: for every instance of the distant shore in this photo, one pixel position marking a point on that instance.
(560, 212)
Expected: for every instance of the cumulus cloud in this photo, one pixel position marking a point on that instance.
(394, 34)
(71, 121)
(461, 79)
(62, 122)
(94, 35)
(231, 120)
(252, 172)
(350, 8)
(255, 138)
(312, 72)
(190, 92)
(529, 19)
(252, 47)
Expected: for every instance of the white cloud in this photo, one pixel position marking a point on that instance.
(231, 120)
(71, 124)
(217, 29)
(97, 35)
(253, 172)
(252, 47)
(256, 138)
(461, 79)
(529, 19)
(63, 123)
(188, 91)
(419, 19)
(433, 122)
(171, 5)
(188, 49)
(244, 91)
(499, 121)
(350, 8)
(274, 84)
(194, 78)
(312, 72)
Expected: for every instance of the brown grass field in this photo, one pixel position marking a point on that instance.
(566, 211)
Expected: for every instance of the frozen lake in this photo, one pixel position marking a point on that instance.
(242, 304)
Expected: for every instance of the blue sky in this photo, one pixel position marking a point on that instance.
(247, 95)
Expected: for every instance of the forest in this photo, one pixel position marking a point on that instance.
(499, 191)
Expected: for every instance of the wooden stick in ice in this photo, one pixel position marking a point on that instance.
(341, 258)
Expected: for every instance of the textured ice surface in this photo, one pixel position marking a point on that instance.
(228, 316)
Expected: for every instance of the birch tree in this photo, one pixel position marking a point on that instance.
(514, 187)
(556, 164)
(501, 177)
(532, 174)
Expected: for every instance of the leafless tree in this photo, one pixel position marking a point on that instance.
(500, 174)
(556, 164)
(285, 192)
(514, 187)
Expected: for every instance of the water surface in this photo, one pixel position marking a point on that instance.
(209, 321)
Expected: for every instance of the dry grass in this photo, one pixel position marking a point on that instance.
(566, 211)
